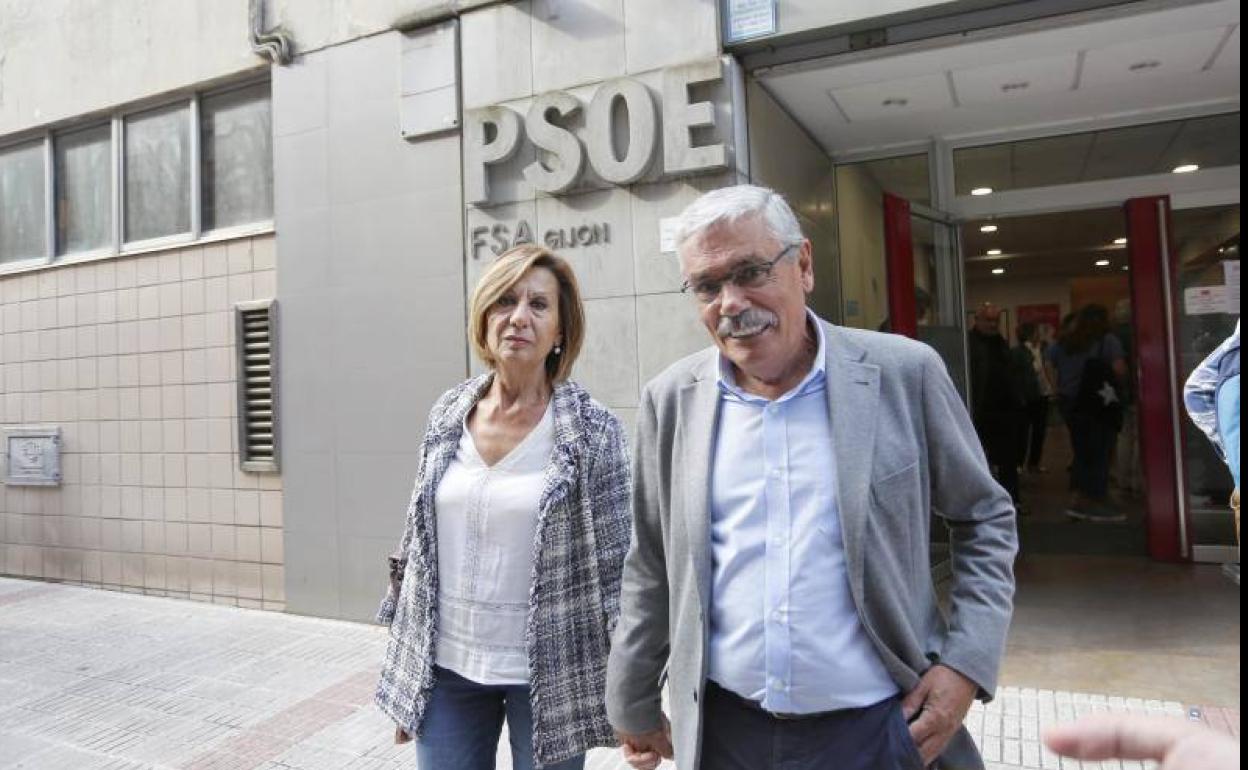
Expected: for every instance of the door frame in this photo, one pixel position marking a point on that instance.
(1154, 280)
(1152, 259)
(899, 271)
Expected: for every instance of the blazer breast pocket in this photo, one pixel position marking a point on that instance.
(896, 518)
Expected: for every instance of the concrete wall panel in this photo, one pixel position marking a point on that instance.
(576, 43)
(386, 287)
(101, 53)
(668, 329)
(608, 366)
(498, 67)
(689, 32)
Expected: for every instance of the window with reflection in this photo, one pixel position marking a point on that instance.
(237, 157)
(83, 189)
(23, 216)
(158, 173)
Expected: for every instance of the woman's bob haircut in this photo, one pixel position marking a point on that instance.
(501, 276)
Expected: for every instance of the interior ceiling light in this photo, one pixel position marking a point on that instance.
(988, 229)
(998, 271)
(1102, 263)
(982, 191)
(1021, 85)
(1142, 66)
(1125, 268)
(994, 252)
(895, 101)
(1120, 241)
(1186, 168)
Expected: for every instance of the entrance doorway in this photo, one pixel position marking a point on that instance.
(1039, 272)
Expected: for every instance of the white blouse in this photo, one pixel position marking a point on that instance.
(487, 525)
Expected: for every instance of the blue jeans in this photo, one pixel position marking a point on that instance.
(463, 723)
(1093, 442)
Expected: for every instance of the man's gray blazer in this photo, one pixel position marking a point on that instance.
(905, 449)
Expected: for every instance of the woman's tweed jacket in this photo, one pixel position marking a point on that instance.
(582, 535)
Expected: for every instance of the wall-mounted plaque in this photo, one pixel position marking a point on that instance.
(32, 456)
(748, 19)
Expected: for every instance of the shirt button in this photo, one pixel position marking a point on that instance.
(777, 685)
(776, 473)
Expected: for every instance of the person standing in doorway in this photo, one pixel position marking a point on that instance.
(996, 397)
(1126, 461)
(1037, 393)
(1088, 365)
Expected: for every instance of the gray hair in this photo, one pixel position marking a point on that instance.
(732, 204)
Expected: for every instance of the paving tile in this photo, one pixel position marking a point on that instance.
(112, 681)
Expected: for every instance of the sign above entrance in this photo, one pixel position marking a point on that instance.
(748, 19)
(617, 136)
(504, 235)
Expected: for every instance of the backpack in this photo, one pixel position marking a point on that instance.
(1100, 393)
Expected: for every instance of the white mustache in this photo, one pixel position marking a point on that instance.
(745, 324)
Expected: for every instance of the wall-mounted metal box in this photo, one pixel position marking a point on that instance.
(32, 456)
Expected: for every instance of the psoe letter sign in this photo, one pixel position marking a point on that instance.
(494, 135)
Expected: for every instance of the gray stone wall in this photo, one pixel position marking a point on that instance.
(370, 285)
(60, 59)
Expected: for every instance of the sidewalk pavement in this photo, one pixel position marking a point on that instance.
(98, 680)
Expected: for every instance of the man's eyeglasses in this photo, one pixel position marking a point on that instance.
(751, 275)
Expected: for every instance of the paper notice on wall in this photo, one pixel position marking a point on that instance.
(1205, 300)
(667, 234)
(750, 18)
(1230, 276)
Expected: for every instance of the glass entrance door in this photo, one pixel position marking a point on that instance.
(1206, 244)
(923, 261)
(924, 275)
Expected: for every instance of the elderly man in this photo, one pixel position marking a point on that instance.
(997, 399)
(779, 577)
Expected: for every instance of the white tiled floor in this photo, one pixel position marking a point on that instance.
(94, 679)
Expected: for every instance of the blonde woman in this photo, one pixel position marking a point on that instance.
(506, 583)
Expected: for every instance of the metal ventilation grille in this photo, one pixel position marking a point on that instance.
(256, 348)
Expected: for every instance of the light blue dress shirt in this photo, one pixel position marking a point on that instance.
(784, 630)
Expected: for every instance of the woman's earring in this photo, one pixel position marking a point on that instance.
(558, 350)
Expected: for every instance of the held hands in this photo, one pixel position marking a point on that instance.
(941, 702)
(645, 751)
(1178, 745)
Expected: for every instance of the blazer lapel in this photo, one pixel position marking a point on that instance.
(694, 447)
(853, 398)
(560, 477)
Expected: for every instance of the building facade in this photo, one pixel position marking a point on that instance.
(166, 169)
